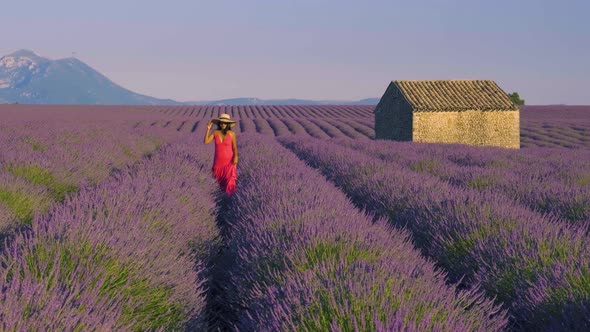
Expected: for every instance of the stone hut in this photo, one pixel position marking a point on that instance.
(475, 112)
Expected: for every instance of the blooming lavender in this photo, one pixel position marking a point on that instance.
(263, 127)
(20, 199)
(48, 154)
(294, 126)
(555, 181)
(305, 259)
(541, 126)
(126, 246)
(278, 126)
(484, 238)
(561, 126)
(129, 254)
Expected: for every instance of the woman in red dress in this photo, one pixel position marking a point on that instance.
(226, 152)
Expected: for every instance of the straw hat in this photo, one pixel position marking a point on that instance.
(224, 118)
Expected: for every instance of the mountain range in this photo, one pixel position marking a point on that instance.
(28, 78)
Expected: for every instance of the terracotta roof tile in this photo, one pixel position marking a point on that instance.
(453, 95)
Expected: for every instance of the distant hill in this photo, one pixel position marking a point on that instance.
(28, 78)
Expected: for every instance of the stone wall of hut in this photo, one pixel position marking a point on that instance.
(393, 117)
(495, 128)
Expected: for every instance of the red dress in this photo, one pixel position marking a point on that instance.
(224, 169)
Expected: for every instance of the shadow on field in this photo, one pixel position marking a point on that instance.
(7, 235)
(218, 311)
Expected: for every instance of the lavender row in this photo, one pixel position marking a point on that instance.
(281, 126)
(129, 254)
(555, 181)
(42, 162)
(267, 111)
(555, 126)
(558, 135)
(567, 166)
(306, 259)
(537, 267)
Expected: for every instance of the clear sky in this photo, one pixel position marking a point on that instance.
(191, 50)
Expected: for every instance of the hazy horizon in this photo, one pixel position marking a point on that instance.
(319, 50)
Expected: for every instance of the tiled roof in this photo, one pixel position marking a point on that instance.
(454, 95)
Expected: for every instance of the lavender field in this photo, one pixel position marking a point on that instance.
(110, 219)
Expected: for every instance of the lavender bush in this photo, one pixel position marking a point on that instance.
(129, 254)
(44, 160)
(294, 126)
(312, 129)
(555, 126)
(349, 130)
(278, 126)
(327, 127)
(263, 127)
(306, 259)
(485, 238)
(555, 181)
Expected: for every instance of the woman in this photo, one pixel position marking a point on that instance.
(226, 152)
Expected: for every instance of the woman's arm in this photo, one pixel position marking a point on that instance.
(209, 138)
(235, 146)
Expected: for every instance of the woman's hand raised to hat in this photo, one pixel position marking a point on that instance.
(209, 124)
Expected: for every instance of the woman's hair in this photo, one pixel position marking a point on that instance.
(228, 127)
